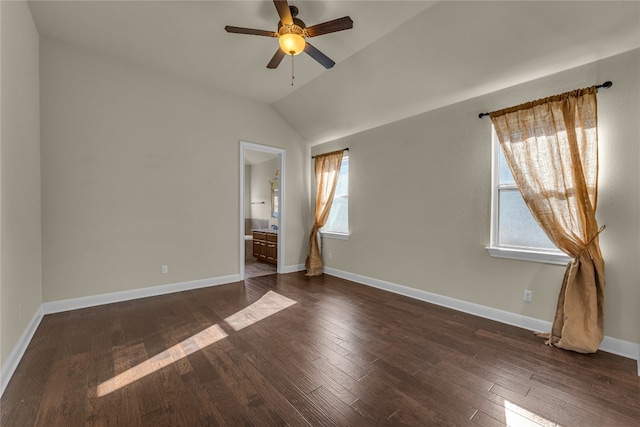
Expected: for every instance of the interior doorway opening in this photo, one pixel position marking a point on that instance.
(262, 215)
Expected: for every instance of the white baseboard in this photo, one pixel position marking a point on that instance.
(94, 300)
(293, 268)
(10, 365)
(609, 344)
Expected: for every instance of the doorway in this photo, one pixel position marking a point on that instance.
(262, 195)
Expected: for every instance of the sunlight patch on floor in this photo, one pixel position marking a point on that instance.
(179, 351)
(269, 304)
(517, 416)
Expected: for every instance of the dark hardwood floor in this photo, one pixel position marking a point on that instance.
(299, 351)
(255, 268)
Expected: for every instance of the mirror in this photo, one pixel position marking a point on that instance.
(275, 197)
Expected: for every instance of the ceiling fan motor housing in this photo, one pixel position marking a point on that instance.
(296, 28)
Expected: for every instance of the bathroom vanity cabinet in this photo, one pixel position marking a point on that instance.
(265, 245)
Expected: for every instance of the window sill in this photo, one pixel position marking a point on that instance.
(529, 255)
(333, 235)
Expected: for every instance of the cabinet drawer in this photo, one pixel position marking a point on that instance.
(259, 236)
(271, 237)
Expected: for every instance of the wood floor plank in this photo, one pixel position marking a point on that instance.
(65, 392)
(338, 353)
(469, 401)
(241, 385)
(272, 395)
(624, 394)
(266, 357)
(286, 386)
(205, 403)
(484, 420)
(622, 412)
(334, 411)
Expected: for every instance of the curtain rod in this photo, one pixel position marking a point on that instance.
(344, 149)
(605, 85)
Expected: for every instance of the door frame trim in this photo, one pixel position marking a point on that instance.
(244, 145)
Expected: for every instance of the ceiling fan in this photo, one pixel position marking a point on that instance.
(292, 33)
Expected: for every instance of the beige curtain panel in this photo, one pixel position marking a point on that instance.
(551, 146)
(327, 168)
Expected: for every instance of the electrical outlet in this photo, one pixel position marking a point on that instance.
(165, 269)
(528, 295)
(330, 255)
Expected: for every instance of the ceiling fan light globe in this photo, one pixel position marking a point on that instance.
(292, 44)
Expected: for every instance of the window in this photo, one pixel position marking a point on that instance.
(338, 222)
(514, 231)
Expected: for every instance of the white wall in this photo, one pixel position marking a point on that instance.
(20, 259)
(140, 169)
(420, 201)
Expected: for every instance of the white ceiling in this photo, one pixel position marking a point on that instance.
(400, 59)
(187, 38)
(455, 51)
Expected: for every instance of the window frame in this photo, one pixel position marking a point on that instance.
(521, 253)
(336, 234)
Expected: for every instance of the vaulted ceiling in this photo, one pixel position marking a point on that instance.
(401, 57)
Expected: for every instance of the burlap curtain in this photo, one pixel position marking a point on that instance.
(327, 167)
(551, 146)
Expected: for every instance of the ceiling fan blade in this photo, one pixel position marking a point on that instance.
(250, 31)
(344, 23)
(277, 58)
(282, 6)
(319, 56)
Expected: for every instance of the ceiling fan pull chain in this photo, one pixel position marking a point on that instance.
(292, 75)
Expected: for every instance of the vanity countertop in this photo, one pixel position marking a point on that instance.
(265, 230)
